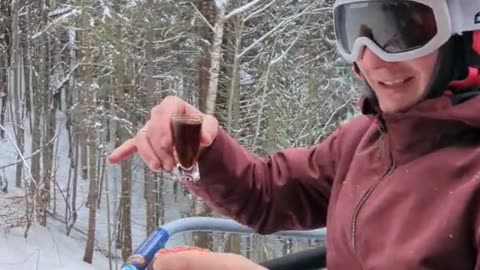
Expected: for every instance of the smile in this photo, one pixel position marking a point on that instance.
(395, 82)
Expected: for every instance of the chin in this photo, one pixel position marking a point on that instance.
(395, 108)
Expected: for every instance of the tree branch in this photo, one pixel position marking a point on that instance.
(242, 9)
(202, 17)
(23, 158)
(273, 30)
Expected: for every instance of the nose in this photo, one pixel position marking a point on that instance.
(371, 60)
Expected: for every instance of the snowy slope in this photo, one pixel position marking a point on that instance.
(44, 249)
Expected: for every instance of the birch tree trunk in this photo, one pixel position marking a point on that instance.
(233, 106)
(216, 54)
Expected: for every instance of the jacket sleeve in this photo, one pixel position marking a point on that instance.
(284, 191)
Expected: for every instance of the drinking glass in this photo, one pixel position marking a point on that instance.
(186, 131)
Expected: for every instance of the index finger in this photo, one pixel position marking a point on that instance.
(124, 151)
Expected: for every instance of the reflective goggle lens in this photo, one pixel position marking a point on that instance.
(395, 26)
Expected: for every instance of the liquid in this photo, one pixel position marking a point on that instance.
(186, 135)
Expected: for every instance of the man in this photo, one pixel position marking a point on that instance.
(399, 186)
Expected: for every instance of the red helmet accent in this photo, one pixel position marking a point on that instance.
(472, 80)
(476, 42)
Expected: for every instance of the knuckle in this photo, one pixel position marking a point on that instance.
(138, 135)
(156, 138)
(168, 162)
(169, 99)
(154, 165)
(156, 110)
(169, 102)
(165, 144)
(137, 139)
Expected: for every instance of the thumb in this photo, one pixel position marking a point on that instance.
(209, 130)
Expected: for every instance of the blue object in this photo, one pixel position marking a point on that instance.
(143, 256)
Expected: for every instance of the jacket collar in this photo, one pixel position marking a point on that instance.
(428, 126)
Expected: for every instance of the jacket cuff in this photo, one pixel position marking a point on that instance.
(209, 157)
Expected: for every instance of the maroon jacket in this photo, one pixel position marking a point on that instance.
(397, 191)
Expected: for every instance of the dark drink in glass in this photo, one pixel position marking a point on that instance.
(186, 131)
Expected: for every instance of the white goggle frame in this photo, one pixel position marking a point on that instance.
(452, 17)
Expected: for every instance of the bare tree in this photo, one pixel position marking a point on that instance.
(90, 125)
(149, 101)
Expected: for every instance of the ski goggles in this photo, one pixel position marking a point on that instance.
(400, 30)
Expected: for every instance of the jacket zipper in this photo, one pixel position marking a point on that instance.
(365, 196)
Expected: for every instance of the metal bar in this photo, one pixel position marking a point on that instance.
(144, 254)
(229, 225)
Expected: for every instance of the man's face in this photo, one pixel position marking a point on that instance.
(397, 85)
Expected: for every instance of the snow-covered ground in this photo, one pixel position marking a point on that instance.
(45, 248)
(48, 248)
(12, 211)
